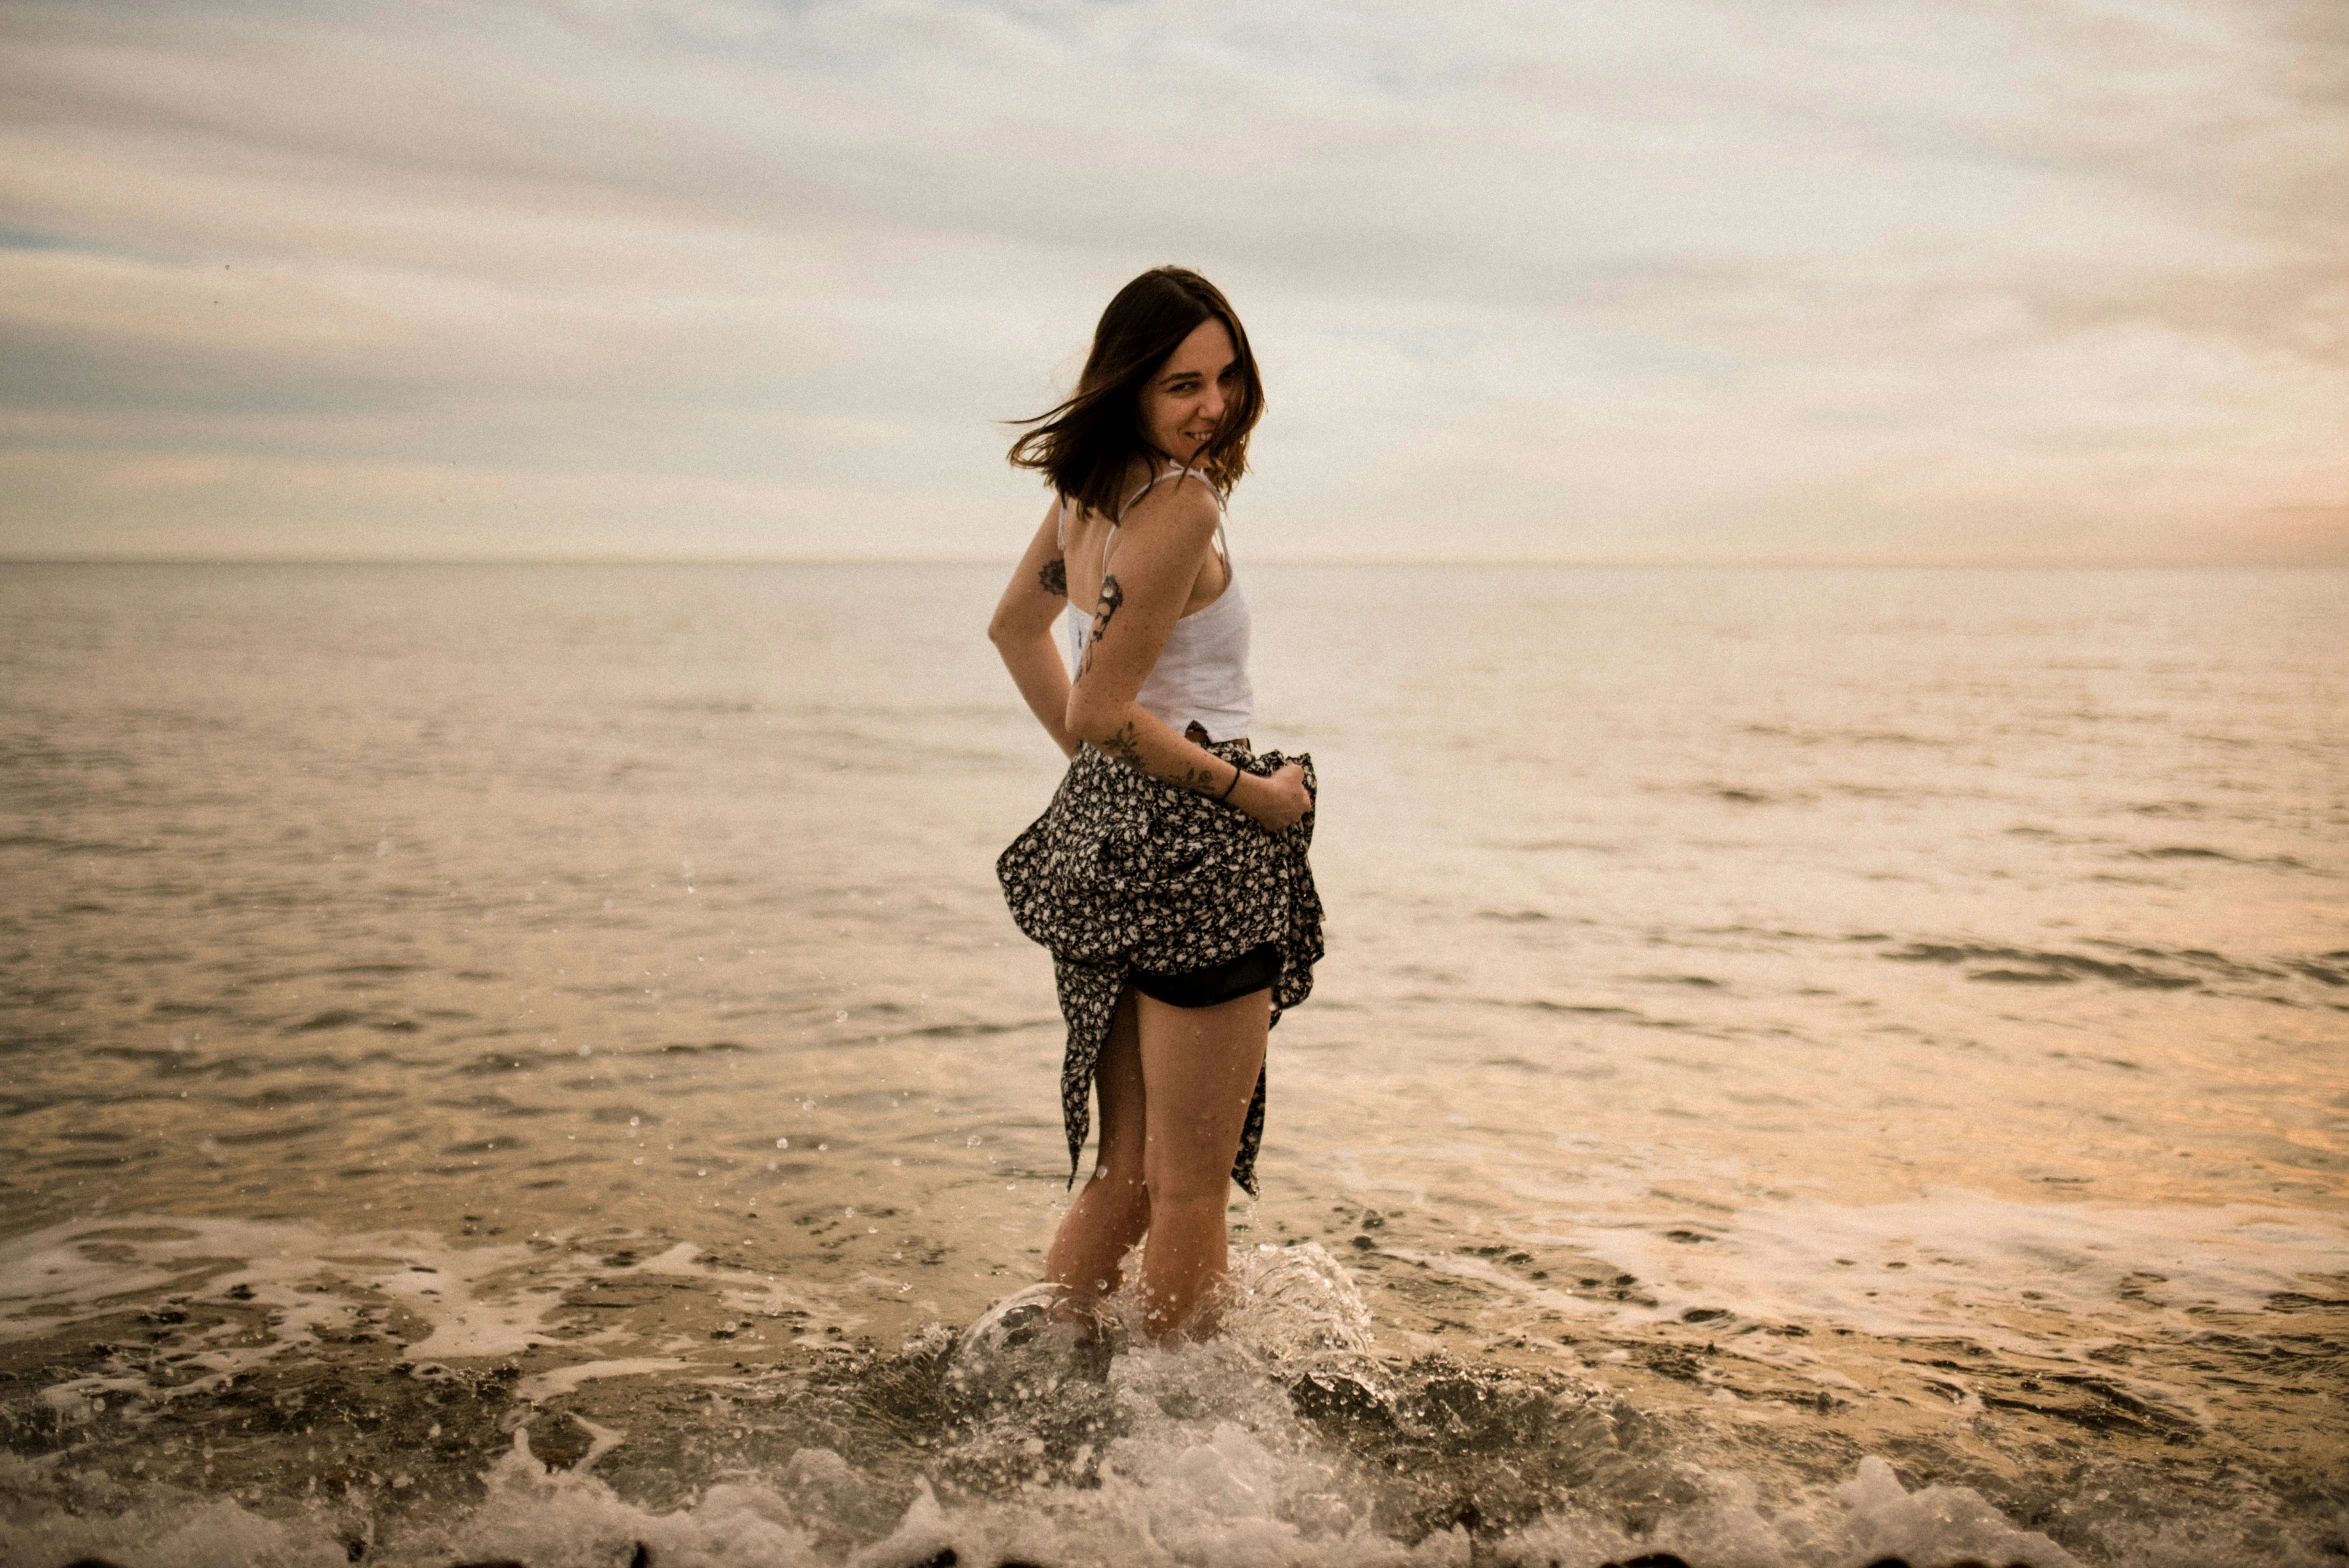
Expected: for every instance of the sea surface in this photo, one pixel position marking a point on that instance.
(529, 1062)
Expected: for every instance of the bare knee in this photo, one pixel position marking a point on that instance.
(1185, 1189)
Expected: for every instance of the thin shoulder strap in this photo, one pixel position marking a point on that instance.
(1145, 488)
(1200, 474)
(1140, 490)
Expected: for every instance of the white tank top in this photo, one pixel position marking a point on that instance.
(1201, 676)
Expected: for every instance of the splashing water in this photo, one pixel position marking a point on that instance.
(1283, 1440)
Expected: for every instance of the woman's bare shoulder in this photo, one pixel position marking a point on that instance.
(1182, 505)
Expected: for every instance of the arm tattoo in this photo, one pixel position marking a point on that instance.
(1111, 597)
(1053, 577)
(1200, 781)
(1125, 745)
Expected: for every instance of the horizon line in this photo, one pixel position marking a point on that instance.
(1610, 563)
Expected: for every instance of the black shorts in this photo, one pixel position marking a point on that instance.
(1254, 970)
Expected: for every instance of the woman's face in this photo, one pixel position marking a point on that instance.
(1184, 402)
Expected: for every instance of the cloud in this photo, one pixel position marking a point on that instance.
(1838, 279)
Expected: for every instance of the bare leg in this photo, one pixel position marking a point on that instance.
(1113, 1210)
(1199, 1067)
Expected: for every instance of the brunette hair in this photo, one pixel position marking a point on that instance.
(1086, 445)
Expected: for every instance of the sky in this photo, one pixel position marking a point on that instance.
(1898, 281)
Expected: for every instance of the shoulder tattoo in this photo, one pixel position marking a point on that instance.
(1052, 577)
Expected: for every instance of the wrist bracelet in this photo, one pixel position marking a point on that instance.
(1233, 785)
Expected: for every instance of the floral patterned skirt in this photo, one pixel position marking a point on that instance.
(1125, 872)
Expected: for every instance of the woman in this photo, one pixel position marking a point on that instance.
(1169, 876)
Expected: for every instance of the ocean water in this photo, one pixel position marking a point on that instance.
(530, 1062)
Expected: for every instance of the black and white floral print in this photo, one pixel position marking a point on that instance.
(1125, 872)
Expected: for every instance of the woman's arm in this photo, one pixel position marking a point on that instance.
(1162, 545)
(1021, 630)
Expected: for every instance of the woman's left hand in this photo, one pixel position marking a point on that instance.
(1277, 800)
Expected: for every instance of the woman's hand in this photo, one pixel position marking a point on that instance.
(1275, 800)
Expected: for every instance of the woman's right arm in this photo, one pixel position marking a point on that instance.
(1021, 630)
(1166, 541)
